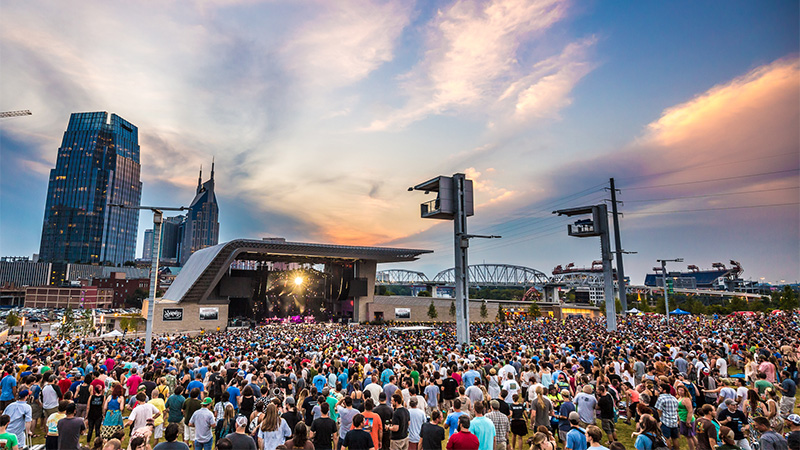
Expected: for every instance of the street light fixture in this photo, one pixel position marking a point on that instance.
(664, 277)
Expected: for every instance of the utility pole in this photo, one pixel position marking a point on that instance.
(158, 212)
(664, 278)
(623, 291)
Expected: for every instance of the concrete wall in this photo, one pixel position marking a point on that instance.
(419, 308)
(191, 317)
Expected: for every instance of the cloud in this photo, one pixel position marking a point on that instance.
(346, 40)
(472, 63)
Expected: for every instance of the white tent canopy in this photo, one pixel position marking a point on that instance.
(633, 311)
(418, 328)
(115, 333)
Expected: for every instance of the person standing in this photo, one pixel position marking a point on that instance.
(483, 428)
(70, 429)
(736, 420)
(399, 424)
(564, 411)
(605, 403)
(8, 441)
(431, 435)
(585, 403)
(346, 415)
(789, 390)
(20, 417)
(8, 388)
(793, 437)
(175, 408)
(171, 433)
(358, 438)
(323, 429)
(94, 412)
(190, 406)
(385, 412)
(203, 423)
(594, 438)
(769, 439)
(501, 424)
(667, 406)
(240, 439)
(576, 438)
(415, 421)
(706, 431)
(463, 439)
(373, 423)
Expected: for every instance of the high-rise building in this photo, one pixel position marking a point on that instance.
(201, 228)
(97, 165)
(147, 248)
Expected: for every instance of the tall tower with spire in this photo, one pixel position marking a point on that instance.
(201, 228)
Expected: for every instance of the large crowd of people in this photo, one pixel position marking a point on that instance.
(724, 383)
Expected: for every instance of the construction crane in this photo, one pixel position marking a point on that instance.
(7, 114)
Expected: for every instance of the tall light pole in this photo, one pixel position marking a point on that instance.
(664, 278)
(158, 212)
(597, 226)
(454, 202)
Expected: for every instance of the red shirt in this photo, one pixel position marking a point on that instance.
(463, 440)
(64, 385)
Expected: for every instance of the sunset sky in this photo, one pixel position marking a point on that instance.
(320, 114)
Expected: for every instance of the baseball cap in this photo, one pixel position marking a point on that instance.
(207, 401)
(564, 392)
(290, 401)
(241, 421)
(794, 418)
(574, 416)
(24, 393)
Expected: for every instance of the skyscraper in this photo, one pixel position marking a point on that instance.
(97, 165)
(201, 228)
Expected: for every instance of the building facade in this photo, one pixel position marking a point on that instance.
(97, 165)
(123, 287)
(82, 297)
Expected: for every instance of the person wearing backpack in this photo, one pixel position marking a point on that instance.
(649, 437)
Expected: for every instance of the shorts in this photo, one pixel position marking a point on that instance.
(36, 411)
(669, 432)
(158, 431)
(519, 427)
(686, 430)
(188, 432)
(608, 426)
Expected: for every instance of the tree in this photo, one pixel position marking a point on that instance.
(484, 310)
(423, 294)
(533, 310)
(453, 308)
(432, 314)
(12, 319)
(67, 328)
(788, 301)
(135, 299)
(501, 314)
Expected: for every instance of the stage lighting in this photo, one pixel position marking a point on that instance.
(298, 281)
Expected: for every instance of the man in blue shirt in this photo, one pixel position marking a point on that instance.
(452, 418)
(196, 383)
(8, 388)
(319, 381)
(566, 409)
(483, 428)
(469, 376)
(576, 438)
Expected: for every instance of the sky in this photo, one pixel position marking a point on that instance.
(320, 115)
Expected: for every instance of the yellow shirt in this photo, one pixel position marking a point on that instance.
(160, 405)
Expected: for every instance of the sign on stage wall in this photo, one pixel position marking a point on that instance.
(172, 314)
(402, 313)
(209, 313)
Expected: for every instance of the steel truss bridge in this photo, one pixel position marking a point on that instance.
(479, 275)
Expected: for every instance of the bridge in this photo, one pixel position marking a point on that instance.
(400, 277)
(479, 275)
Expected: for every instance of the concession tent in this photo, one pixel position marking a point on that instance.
(680, 312)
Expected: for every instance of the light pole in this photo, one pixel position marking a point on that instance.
(454, 202)
(158, 212)
(596, 226)
(664, 277)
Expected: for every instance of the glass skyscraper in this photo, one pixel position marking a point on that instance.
(97, 165)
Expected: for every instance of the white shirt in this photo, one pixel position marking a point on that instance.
(512, 387)
(141, 413)
(722, 366)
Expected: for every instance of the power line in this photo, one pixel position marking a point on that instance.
(711, 195)
(711, 180)
(712, 209)
(713, 164)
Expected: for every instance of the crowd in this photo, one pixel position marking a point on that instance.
(714, 383)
